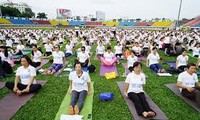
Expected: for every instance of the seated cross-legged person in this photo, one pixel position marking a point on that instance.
(36, 56)
(68, 49)
(153, 61)
(100, 50)
(133, 89)
(182, 61)
(83, 57)
(131, 60)
(25, 78)
(108, 58)
(58, 61)
(188, 83)
(79, 88)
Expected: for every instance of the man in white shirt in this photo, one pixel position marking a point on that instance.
(83, 57)
(182, 61)
(188, 83)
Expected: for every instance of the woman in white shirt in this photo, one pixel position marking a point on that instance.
(48, 48)
(188, 83)
(118, 50)
(20, 47)
(68, 49)
(196, 50)
(108, 58)
(100, 50)
(153, 61)
(182, 61)
(36, 56)
(58, 61)
(83, 57)
(131, 60)
(133, 89)
(25, 78)
(79, 88)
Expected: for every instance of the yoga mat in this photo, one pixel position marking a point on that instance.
(42, 64)
(142, 58)
(2, 84)
(172, 64)
(160, 115)
(85, 69)
(87, 108)
(11, 103)
(106, 69)
(25, 52)
(16, 56)
(176, 91)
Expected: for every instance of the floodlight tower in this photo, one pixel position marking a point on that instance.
(179, 13)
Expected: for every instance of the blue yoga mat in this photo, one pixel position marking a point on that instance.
(172, 64)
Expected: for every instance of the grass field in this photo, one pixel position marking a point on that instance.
(45, 104)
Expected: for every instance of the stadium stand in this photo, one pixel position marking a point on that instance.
(41, 22)
(143, 23)
(162, 24)
(193, 22)
(126, 23)
(93, 23)
(20, 21)
(110, 24)
(4, 21)
(76, 23)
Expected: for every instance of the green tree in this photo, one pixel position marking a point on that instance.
(138, 19)
(28, 13)
(9, 11)
(42, 15)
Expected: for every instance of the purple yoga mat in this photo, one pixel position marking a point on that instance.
(125, 66)
(42, 64)
(106, 69)
(2, 84)
(160, 115)
(142, 58)
(11, 103)
(176, 91)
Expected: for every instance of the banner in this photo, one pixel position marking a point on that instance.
(64, 13)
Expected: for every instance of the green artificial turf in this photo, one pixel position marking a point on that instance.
(45, 104)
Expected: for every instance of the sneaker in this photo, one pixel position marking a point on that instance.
(71, 110)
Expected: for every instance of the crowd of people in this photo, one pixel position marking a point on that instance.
(130, 45)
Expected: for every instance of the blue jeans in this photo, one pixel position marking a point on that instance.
(155, 67)
(78, 96)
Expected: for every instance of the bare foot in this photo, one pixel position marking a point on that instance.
(76, 109)
(71, 110)
(145, 114)
(151, 114)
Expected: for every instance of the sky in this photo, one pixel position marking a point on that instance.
(144, 9)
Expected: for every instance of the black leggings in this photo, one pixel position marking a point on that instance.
(33, 88)
(36, 64)
(140, 102)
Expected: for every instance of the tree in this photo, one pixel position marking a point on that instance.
(28, 13)
(42, 15)
(138, 19)
(9, 11)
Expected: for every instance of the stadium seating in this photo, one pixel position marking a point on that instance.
(41, 22)
(162, 24)
(143, 23)
(76, 23)
(193, 22)
(126, 23)
(111, 24)
(4, 21)
(20, 21)
(93, 23)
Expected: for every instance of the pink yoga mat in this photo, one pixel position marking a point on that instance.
(106, 69)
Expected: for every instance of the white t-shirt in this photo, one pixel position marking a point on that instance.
(196, 51)
(68, 49)
(83, 57)
(58, 57)
(100, 49)
(9, 43)
(79, 84)
(26, 74)
(135, 82)
(87, 49)
(118, 49)
(37, 56)
(153, 59)
(187, 80)
(182, 60)
(131, 60)
(136, 49)
(48, 47)
(108, 56)
(20, 47)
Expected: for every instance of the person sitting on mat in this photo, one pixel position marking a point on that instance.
(153, 61)
(83, 57)
(118, 50)
(36, 56)
(188, 83)
(79, 88)
(131, 60)
(100, 50)
(133, 89)
(196, 50)
(108, 58)
(25, 78)
(48, 48)
(20, 48)
(182, 61)
(68, 49)
(58, 61)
